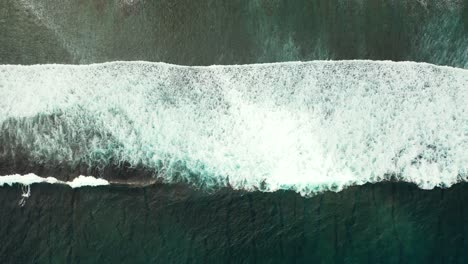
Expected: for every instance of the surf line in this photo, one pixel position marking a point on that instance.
(31, 178)
(28, 179)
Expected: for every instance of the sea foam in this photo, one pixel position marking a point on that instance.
(29, 179)
(306, 126)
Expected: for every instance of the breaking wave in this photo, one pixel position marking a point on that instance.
(305, 126)
(31, 178)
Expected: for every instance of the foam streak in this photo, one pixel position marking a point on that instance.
(31, 178)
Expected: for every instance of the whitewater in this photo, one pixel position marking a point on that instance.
(31, 178)
(303, 126)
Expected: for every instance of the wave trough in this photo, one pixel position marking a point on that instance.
(306, 126)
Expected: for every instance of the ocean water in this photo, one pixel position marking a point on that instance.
(210, 32)
(136, 131)
(373, 223)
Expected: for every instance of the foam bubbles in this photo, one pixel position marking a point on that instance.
(81, 181)
(29, 179)
(308, 126)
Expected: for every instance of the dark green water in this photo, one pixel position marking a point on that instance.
(379, 223)
(233, 31)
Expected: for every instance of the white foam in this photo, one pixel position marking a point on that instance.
(306, 126)
(81, 181)
(29, 179)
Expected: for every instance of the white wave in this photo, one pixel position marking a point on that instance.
(31, 178)
(306, 126)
